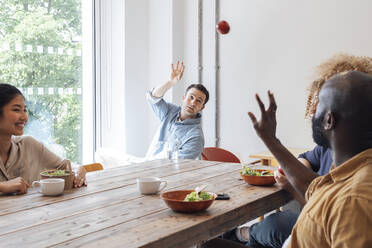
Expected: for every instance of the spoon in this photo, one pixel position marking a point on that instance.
(198, 189)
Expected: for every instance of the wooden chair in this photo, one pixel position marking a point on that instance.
(93, 167)
(219, 154)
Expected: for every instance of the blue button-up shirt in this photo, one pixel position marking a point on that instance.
(185, 136)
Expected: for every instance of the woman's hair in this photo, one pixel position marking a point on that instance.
(7, 93)
(334, 65)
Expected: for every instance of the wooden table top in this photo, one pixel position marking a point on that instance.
(110, 212)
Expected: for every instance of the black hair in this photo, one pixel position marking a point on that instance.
(201, 88)
(7, 93)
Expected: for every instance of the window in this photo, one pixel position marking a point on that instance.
(45, 49)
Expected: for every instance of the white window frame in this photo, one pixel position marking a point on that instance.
(110, 74)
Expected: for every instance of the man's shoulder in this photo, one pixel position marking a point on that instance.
(361, 183)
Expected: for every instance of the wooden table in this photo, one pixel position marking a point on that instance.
(268, 159)
(110, 212)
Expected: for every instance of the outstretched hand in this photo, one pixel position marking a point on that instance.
(177, 72)
(266, 127)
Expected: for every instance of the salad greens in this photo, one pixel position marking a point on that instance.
(252, 172)
(203, 196)
(55, 173)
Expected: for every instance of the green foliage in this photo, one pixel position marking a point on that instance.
(51, 23)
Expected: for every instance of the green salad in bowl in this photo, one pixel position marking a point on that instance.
(253, 172)
(55, 173)
(67, 175)
(202, 196)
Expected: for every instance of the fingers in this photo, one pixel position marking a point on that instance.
(179, 66)
(276, 174)
(24, 189)
(272, 106)
(260, 104)
(68, 167)
(280, 178)
(253, 118)
(23, 182)
(80, 177)
(27, 184)
(22, 186)
(79, 182)
(182, 70)
(277, 178)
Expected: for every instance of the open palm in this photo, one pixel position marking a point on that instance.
(177, 72)
(266, 127)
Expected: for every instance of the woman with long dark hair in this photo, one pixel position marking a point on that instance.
(22, 158)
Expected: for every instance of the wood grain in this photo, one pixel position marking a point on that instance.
(111, 213)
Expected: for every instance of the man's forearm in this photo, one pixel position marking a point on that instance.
(160, 90)
(298, 175)
(297, 195)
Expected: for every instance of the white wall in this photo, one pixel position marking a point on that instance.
(160, 56)
(272, 45)
(137, 35)
(275, 45)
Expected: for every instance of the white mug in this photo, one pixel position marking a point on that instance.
(52, 186)
(150, 185)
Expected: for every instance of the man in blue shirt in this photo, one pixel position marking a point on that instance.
(180, 130)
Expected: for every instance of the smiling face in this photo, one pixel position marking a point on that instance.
(14, 117)
(192, 103)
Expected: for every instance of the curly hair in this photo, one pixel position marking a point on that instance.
(336, 64)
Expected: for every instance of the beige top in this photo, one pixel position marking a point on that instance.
(339, 208)
(28, 158)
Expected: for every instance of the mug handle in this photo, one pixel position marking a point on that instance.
(36, 184)
(165, 185)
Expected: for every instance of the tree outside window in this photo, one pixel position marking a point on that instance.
(40, 52)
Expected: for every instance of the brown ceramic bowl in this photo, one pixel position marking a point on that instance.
(175, 200)
(259, 180)
(69, 177)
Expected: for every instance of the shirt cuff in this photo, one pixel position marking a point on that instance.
(152, 99)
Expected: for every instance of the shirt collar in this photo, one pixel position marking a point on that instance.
(351, 166)
(191, 121)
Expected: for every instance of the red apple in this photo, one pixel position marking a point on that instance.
(223, 27)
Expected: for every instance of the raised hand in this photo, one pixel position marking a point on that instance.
(177, 72)
(266, 127)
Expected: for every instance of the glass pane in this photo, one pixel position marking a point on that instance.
(41, 53)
